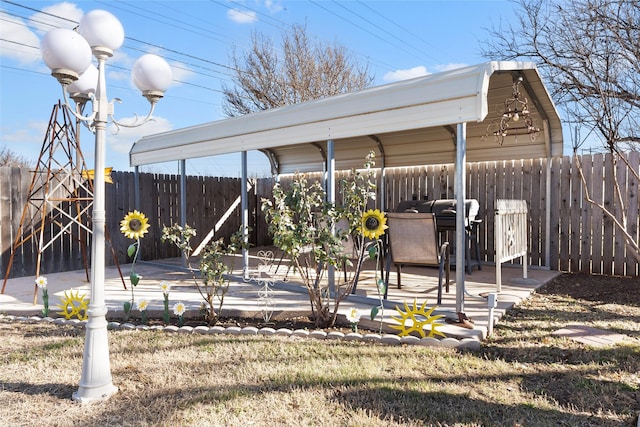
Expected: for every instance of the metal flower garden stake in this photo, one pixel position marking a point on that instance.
(41, 282)
(134, 225)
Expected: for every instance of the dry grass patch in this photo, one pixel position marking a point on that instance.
(522, 376)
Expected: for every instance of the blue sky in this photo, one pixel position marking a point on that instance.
(397, 39)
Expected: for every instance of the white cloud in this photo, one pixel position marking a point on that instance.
(421, 70)
(18, 42)
(122, 141)
(180, 72)
(394, 76)
(447, 67)
(242, 16)
(69, 15)
(272, 6)
(21, 39)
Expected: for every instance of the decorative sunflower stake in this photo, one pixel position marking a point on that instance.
(415, 318)
(134, 225)
(373, 225)
(74, 304)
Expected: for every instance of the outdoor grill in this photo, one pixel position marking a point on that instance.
(444, 210)
(445, 213)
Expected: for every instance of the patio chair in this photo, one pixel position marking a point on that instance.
(414, 240)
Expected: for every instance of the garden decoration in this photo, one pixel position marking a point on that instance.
(134, 225)
(381, 288)
(74, 304)
(373, 224)
(213, 268)
(142, 307)
(415, 318)
(265, 281)
(179, 309)
(353, 317)
(42, 282)
(303, 226)
(165, 286)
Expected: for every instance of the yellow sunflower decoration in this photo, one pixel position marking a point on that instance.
(74, 305)
(373, 224)
(415, 319)
(134, 225)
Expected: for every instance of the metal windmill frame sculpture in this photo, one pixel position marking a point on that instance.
(60, 196)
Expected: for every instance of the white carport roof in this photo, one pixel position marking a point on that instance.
(408, 123)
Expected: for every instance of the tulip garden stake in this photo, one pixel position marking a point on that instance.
(142, 307)
(134, 225)
(41, 281)
(165, 294)
(179, 309)
(353, 317)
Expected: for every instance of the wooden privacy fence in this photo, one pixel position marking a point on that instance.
(582, 238)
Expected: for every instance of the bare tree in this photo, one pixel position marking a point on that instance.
(10, 158)
(265, 78)
(589, 53)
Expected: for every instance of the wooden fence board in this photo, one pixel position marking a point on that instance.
(621, 201)
(608, 201)
(586, 217)
(491, 173)
(632, 212)
(565, 207)
(597, 216)
(485, 212)
(575, 216)
(554, 207)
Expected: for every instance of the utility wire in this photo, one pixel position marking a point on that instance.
(403, 28)
(373, 24)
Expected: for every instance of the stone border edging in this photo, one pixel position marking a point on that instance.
(388, 339)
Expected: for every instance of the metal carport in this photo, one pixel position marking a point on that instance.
(440, 118)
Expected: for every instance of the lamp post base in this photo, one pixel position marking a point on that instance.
(86, 395)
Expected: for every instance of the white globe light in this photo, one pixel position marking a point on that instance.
(102, 29)
(87, 82)
(64, 49)
(152, 73)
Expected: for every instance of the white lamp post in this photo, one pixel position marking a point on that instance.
(68, 55)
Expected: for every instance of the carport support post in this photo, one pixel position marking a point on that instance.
(182, 166)
(244, 205)
(331, 198)
(460, 189)
(183, 192)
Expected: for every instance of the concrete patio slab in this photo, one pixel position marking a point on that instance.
(287, 297)
(591, 336)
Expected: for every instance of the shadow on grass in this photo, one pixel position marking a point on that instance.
(58, 390)
(451, 409)
(399, 402)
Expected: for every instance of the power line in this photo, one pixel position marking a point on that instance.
(403, 28)
(382, 63)
(38, 11)
(404, 42)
